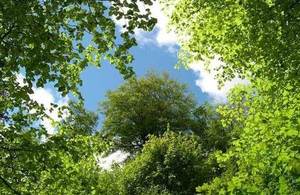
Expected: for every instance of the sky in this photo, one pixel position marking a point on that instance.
(97, 81)
(156, 51)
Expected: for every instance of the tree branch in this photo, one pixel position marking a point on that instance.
(7, 33)
(35, 149)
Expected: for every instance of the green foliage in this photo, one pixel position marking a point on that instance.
(170, 164)
(173, 163)
(79, 121)
(254, 38)
(251, 146)
(207, 123)
(63, 163)
(265, 158)
(146, 106)
(73, 168)
(109, 182)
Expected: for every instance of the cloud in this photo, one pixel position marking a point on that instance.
(208, 83)
(117, 157)
(160, 36)
(46, 97)
(164, 37)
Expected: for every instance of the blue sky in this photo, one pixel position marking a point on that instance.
(97, 81)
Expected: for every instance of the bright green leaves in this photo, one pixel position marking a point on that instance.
(264, 149)
(256, 38)
(171, 163)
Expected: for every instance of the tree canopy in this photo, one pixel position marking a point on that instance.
(63, 163)
(173, 163)
(254, 38)
(145, 106)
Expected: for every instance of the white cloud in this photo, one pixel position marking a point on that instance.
(46, 97)
(163, 36)
(160, 35)
(117, 157)
(208, 83)
(20, 80)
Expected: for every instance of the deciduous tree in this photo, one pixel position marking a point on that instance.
(171, 164)
(145, 106)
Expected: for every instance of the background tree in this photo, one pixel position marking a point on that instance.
(207, 123)
(145, 106)
(79, 121)
(170, 164)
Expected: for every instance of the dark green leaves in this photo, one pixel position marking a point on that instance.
(51, 42)
(146, 106)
